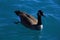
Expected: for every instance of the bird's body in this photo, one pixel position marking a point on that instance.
(29, 21)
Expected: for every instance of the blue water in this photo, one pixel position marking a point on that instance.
(11, 31)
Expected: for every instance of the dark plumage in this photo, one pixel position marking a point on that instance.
(29, 21)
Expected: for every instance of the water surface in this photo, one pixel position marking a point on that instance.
(11, 31)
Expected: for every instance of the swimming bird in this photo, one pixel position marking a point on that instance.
(29, 21)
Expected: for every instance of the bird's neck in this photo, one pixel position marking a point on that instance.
(39, 20)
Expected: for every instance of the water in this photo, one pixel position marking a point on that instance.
(11, 31)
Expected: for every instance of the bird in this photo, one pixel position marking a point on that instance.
(29, 21)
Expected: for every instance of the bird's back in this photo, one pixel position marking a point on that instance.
(28, 19)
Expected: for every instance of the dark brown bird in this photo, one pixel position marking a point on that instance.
(29, 21)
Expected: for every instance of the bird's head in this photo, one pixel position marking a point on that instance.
(40, 12)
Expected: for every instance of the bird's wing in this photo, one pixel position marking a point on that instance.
(31, 19)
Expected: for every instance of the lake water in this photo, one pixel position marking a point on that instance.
(11, 31)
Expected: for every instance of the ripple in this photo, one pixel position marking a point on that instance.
(31, 0)
(57, 17)
(22, 5)
(47, 37)
(37, 1)
(4, 24)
